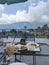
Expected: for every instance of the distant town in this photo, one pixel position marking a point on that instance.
(39, 32)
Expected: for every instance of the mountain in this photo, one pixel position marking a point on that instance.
(20, 25)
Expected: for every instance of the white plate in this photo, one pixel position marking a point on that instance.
(32, 49)
(32, 43)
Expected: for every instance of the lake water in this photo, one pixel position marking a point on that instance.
(40, 60)
(38, 40)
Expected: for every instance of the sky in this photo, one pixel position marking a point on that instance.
(30, 11)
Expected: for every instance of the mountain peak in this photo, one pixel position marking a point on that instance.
(20, 25)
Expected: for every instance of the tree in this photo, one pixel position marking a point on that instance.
(13, 31)
(45, 27)
(25, 27)
(38, 29)
(3, 31)
(25, 34)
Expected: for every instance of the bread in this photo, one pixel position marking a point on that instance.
(16, 48)
(21, 47)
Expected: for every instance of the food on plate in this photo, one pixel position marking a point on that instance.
(32, 46)
(20, 47)
(23, 47)
(16, 48)
(10, 48)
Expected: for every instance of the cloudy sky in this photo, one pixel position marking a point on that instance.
(32, 10)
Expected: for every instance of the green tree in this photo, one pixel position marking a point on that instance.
(45, 27)
(25, 27)
(13, 30)
(25, 34)
(38, 29)
(3, 31)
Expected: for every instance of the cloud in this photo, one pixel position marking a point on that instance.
(1, 7)
(39, 13)
(6, 19)
(35, 13)
(45, 18)
(21, 15)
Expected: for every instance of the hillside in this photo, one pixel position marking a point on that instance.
(20, 25)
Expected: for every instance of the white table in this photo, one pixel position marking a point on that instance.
(28, 52)
(17, 63)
